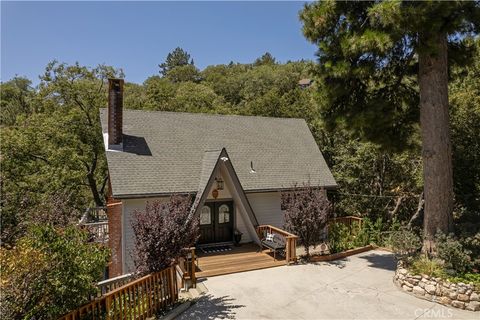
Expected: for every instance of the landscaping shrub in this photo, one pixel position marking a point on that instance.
(306, 214)
(467, 278)
(431, 267)
(49, 272)
(162, 233)
(456, 257)
(406, 244)
(340, 238)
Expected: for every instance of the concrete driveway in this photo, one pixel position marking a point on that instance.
(358, 287)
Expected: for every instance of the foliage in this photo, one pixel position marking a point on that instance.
(162, 233)
(375, 61)
(16, 99)
(406, 244)
(467, 278)
(454, 255)
(177, 58)
(184, 73)
(465, 123)
(340, 238)
(266, 58)
(59, 148)
(368, 64)
(306, 213)
(425, 265)
(49, 272)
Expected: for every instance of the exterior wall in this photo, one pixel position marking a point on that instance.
(267, 208)
(241, 226)
(114, 213)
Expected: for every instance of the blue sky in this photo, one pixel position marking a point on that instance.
(137, 36)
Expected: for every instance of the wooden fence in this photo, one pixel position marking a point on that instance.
(138, 299)
(290, 241)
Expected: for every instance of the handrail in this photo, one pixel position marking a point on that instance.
(290, 241)
(140, 298)
(111, 284)
(187, 267)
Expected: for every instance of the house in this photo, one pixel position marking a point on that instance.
(235, 166)
(305, 83)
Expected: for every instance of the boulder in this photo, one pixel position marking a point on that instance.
(463, 297)
(452, 295)
(430, 288)
(458, 304)
(474, 297)
(418, 290)
(473, 306)
(445, 300)
(409, 289)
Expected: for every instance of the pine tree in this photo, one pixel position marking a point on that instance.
(177, 58)
(383, 69)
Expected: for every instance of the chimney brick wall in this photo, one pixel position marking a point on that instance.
(114, 213)
(115, 112)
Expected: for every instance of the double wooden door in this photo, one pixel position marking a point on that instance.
(216, 222)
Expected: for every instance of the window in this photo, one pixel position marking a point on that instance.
(224, 214)
(205, 215)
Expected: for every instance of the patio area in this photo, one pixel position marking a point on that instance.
(246, 257)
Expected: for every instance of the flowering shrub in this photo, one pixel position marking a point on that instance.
(306, 214)
(162, 232)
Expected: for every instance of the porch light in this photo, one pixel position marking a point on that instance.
(219, 183)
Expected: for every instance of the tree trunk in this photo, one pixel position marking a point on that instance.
(435, 130)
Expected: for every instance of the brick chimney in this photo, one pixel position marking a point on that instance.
(115, 114)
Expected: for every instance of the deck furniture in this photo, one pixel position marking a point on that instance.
(274, 242)
(289, 239)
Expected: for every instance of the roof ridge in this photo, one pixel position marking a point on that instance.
(206, 114)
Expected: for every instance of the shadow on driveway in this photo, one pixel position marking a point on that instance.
(211, 307)
(381, 261)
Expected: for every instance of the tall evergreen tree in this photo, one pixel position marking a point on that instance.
(377, 62)
(177, 58)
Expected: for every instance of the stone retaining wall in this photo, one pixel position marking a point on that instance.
(458, 295)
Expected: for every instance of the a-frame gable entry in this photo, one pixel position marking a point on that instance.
(214, 162)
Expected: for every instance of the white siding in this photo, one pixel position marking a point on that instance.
(241, 226)
(267, 208)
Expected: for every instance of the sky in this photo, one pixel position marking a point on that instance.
(137, 36)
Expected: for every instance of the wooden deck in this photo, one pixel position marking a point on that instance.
(247, 257)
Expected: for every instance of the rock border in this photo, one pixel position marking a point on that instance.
(458, 295)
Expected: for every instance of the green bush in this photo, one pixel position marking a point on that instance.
(431, 267)
(406, 244)
(468, 278)
(340, 238)
(49, 272)
(451, 251)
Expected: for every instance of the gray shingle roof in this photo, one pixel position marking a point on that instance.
(163, 152)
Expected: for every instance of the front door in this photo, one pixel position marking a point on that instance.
(216, 222)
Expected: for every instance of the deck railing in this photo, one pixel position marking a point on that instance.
(111, 284)
(349, 221)
(98, 231)
(290, 240)
(186, 268)
(138, 299)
